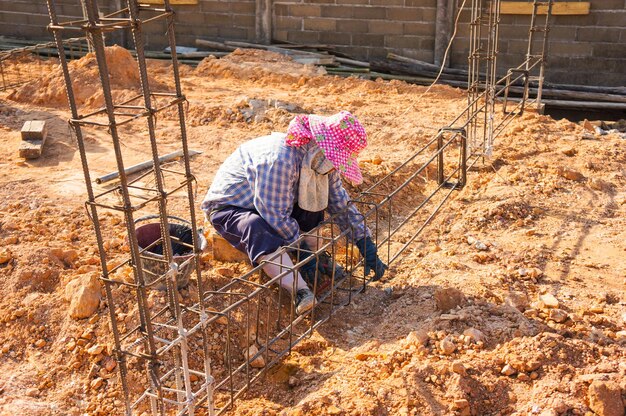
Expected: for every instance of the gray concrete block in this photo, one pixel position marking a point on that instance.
(305, 10)
(599, 34)
(370, 12)
(405, 13)
(336, 38)
(387, 2)
(343, 12)
(611, 18)
(419, 28)
(609, 50)
(352, 25)
(244, 8)
(366, 39)
(216, 6)
(608, 5)
(35, 130)
(243, 20)
(385, 27)
(420, 3)
(402, 42)
(34, 134)
(303, 37)
(321, 24)
(287, 23)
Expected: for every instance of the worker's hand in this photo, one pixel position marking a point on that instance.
(370, 255)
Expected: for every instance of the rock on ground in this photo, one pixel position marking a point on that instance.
(84, 296)
(449, 298)
(605, 398)
(517, 300)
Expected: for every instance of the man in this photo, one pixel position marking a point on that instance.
(272, 188)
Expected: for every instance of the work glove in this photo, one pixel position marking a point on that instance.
(370, 255)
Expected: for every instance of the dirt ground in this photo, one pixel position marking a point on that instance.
(511, 302)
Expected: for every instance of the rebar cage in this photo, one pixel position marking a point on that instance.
(196, 349)
(153, 337)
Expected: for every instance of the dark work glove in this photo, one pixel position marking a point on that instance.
(370, 254)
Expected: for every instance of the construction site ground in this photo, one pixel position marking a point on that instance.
(511, 302)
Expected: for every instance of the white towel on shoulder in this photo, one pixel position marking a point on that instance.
(313, 187)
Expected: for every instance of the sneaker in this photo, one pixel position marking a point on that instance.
(305, 300)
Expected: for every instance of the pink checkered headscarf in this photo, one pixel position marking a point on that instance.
(340, 136)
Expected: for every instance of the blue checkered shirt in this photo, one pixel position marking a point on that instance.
(263, 174)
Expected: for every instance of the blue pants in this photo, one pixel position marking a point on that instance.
(247, 231)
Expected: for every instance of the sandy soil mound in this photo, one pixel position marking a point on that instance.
(252, 64)
(511, 302)
(49, 90)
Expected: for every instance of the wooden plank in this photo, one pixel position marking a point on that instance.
(308, 60)
(573, 95)
(352, 62)
(302, 57)
(425, 65)
(584, 105)
(558, 8)
(172, 2)
(214, 45)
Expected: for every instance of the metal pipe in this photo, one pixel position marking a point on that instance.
(145, 165)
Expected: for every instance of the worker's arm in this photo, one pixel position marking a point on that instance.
(273, 183)
(339, 202)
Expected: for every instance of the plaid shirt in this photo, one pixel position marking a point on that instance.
(262, 174)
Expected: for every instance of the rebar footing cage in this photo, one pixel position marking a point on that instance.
(199, 352)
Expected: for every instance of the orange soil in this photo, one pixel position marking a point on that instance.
(544, 233)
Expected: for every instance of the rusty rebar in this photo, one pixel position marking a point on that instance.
(249, 309)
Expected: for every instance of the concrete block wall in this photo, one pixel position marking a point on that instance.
(366, 29)
(217, 19)
(582, 49)
(226, 19)
(589, 49)
(28, 19)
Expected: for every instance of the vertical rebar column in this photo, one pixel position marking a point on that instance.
(483, 51)
(180, 358)
(544, 46)
(473, 75)
(121, 361)
(531, 56)
(490, 83)
(97, 41)
(161, 340)
(190, 193)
